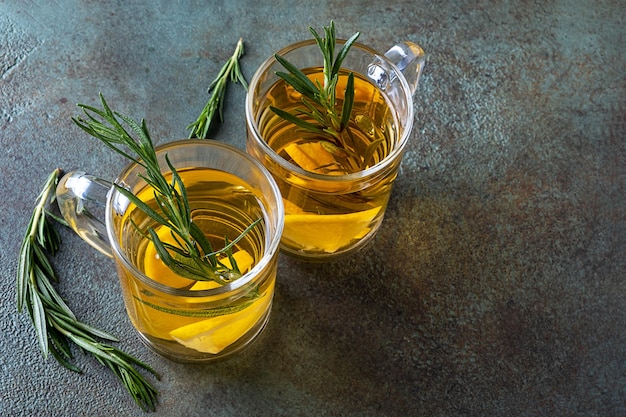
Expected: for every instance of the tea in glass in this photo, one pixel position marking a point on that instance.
(234, 202)
(329, 220)
(223, 206)
(335, 188)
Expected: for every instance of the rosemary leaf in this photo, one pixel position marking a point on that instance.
(305, 85)
(55, 301)
(205, 313)
(62, 356)
(311, 127)
(55, 324)
(369, 152)
(321, 116)
(343, 52)
(23, 273)
(229, 245)
(173, 207)
(203, 242)
(38, 317)
(141, 205)
(348, 102)
(230, 71)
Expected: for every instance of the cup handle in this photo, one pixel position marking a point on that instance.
(410, 58)
(82, 199)
(407, 56)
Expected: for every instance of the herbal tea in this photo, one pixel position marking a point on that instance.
(223, 207)
(326, 221)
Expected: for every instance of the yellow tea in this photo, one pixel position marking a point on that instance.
(223, 206)
(327, 218)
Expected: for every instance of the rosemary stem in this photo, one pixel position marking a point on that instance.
(217, 89)
(55, 324)
(43, 199)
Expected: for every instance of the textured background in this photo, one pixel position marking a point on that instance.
(496, 286)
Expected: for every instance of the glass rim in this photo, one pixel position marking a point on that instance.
(370, 172)
(271, 248)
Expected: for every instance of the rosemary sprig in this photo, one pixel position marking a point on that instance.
(55, 323)
(319, 100)
(320, 114)
(193, 256)
(217, 89)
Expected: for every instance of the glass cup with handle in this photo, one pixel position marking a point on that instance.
(334, 199)
(183, 319)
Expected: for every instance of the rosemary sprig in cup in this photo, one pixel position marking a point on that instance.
(55, 324)
(193, 257)
(319, 100)
(320, 114)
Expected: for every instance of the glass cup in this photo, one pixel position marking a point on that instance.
(330, 213)
(182, 319)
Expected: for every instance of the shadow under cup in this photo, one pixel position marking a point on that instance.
(328, 216)
(174, 316)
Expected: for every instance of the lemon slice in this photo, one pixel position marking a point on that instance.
(158, 323)
(154, 268)
(215, 334)
(151, 321)
(310, 156)
(244, 262)
(327, 232)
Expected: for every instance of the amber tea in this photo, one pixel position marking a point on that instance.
(331, 220)
(223, 206)
(334, 155)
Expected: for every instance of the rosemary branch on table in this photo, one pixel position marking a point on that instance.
(217, 89)
(56, 326)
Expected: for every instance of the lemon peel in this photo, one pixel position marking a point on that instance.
(328, 232)
(154, 268)
(310, 156)
(215, 334)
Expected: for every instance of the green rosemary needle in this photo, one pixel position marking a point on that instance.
(194, 258)
(217, 90)
(320, 111)
(54, 322)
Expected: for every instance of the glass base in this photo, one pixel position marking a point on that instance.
(321, 256)
(176, 352)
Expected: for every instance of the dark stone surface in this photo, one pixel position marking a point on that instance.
(496, 286)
